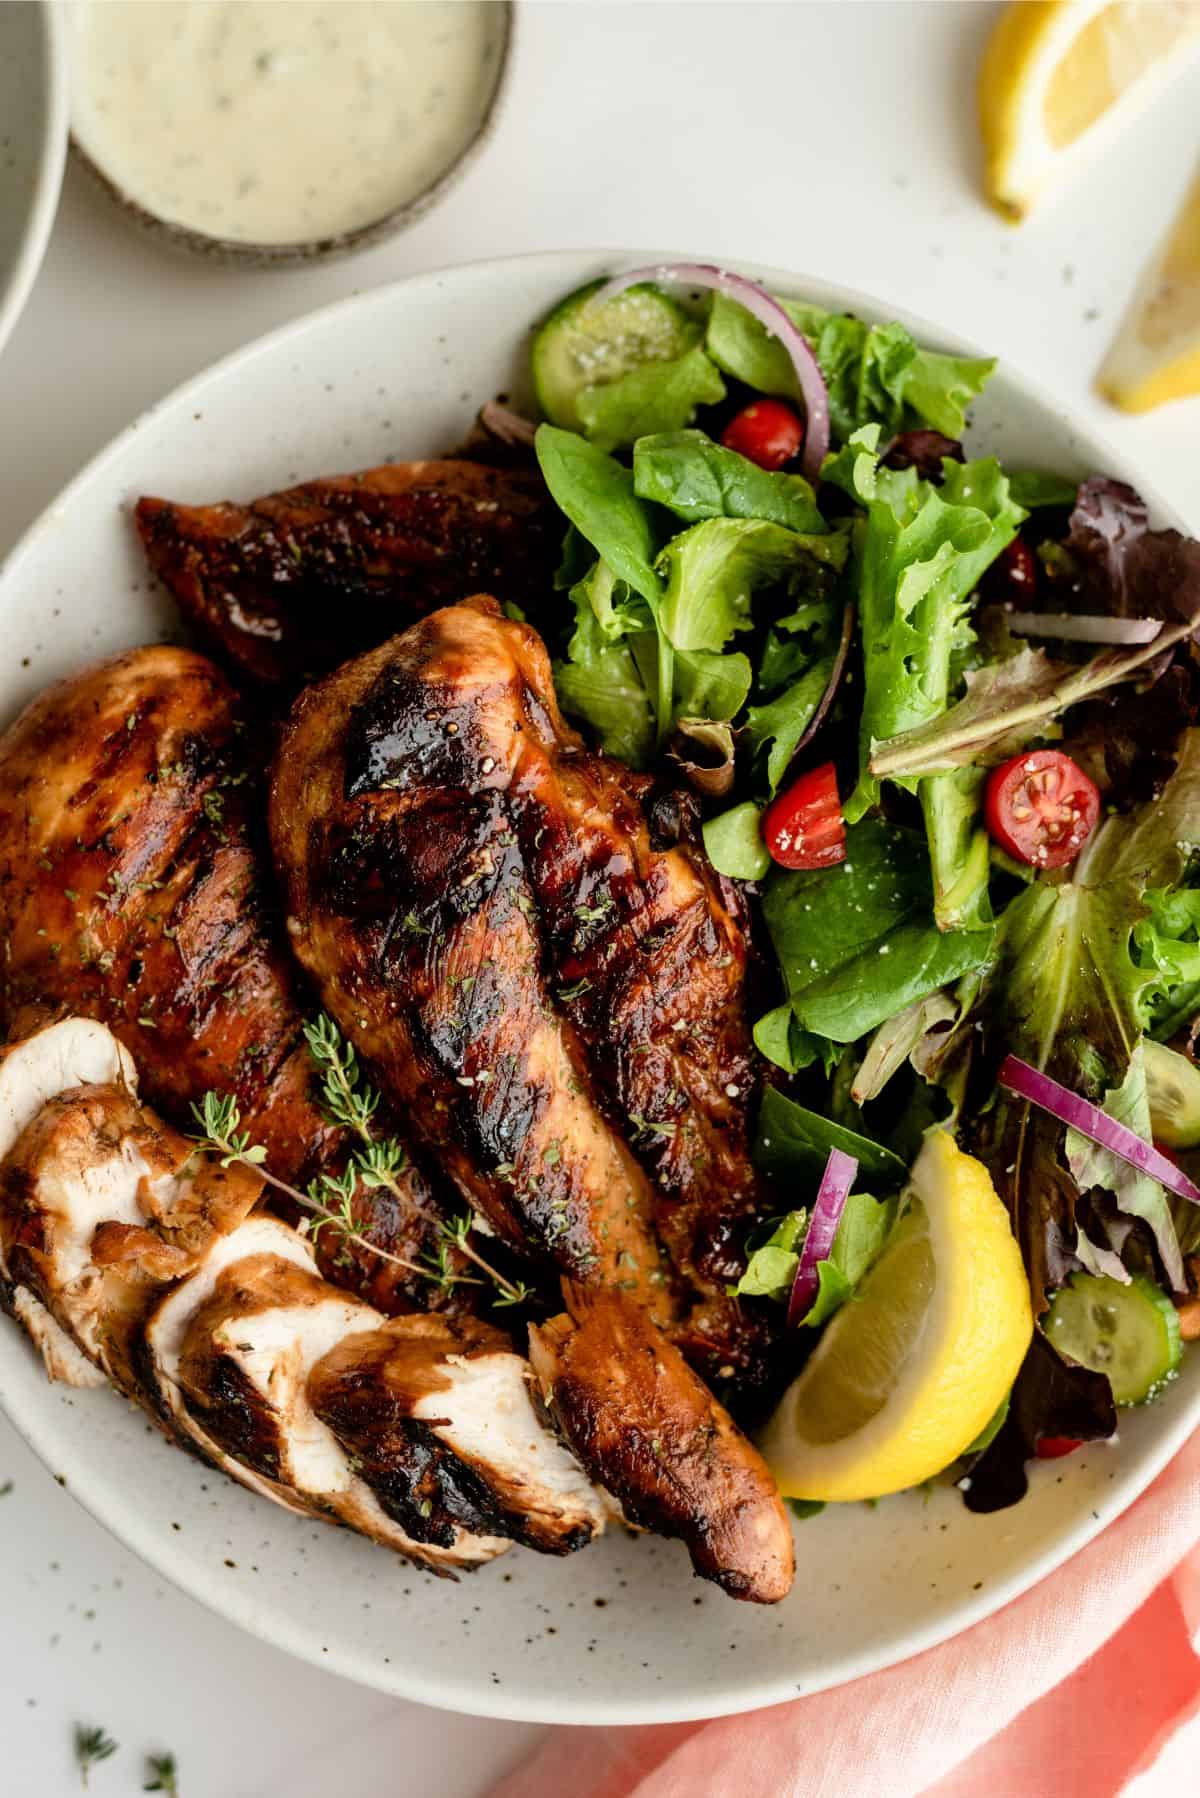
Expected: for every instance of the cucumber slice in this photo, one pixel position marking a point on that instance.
(582, 346)
(1129, 1333)
(1173, 1089)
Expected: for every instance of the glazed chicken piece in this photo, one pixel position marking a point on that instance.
(649, 1431)
(292, 584)
(156, 1269)
(131, 890)
(417, 805)
(487, 914)
(483, 1460)
(100, 1206)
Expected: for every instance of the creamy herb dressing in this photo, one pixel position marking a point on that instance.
(272, 122)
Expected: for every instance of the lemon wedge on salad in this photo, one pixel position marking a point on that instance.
(912, 1368)
(1059, 77)
(1155, 356)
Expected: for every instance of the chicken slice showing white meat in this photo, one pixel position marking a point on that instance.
(438, 1416)
(242, 1369)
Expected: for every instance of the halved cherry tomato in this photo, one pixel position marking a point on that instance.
(1051, 1448)
(766, 432)
(1041, 807)
(803, 827)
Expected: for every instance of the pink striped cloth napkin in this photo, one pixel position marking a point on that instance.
(1075, 1689)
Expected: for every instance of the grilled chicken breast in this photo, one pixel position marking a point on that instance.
(649, 1430)
(132, 890)
(292, 584)
(448, 869)
(155, 1267)
(486, 913)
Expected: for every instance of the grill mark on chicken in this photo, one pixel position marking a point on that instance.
(100, 1216)
(637, 948)
(652, 1434)
(132, 890)
(402, 888)
(382, 1395)
(295, 582)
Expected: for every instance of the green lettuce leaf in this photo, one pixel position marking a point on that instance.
(601, 681)
(782, 722)
(1167, 940)
(711, 571)
(865, 1226)
(658, 396)
(778, 1036)
(920, 554)
(1007, 705)
(876, 374)
(697, 479)
(1136, 1194)
(1032, 488)
(1069, 997)
(771, 1267)
(959, 848)
(771, 1270)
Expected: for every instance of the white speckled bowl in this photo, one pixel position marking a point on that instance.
(620, 1633)
(33, 144)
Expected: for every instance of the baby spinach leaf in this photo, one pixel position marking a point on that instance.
(792, 1140)
(857, 943)
(598, 497)
(697, 479)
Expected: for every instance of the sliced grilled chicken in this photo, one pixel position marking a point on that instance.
(32, 1071)
(441, 1449)
(649, 1431)
(125, 1250)
(131, 890)
(62, 1358)
(292, 584)
(100, 1206)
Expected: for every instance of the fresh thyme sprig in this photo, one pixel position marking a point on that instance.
(163, 1775)
(218, 1116)
(91, 1745)
(349, 1100)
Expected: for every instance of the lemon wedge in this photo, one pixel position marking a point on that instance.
(1059, 77)
(1155, 356)
(913, 1367)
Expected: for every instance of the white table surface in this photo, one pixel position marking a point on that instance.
(837, 138)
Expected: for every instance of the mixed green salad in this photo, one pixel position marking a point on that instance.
(939, 716)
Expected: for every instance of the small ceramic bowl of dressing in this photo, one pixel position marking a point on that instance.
(278, 132)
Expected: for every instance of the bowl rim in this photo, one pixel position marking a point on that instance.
(237, 252)
(48, 177)
(598, 1710)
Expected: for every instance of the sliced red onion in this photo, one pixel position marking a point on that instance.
(827, 698)
(1084, 627)
(771, 315)
(1080, 1114)
(830, 1202)
(505, 424)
